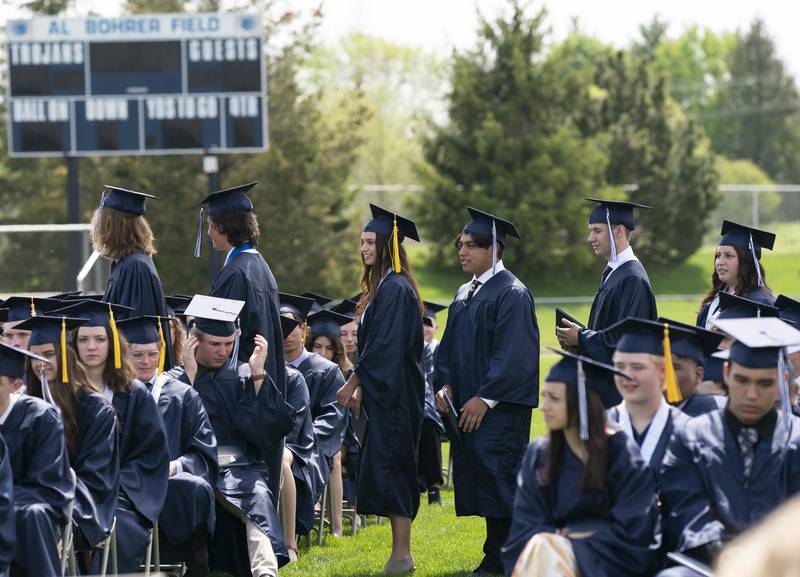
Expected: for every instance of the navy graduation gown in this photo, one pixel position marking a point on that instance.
(389, 366)
(43, 485)
(190, 439)
(96, 469)
(490, 349)
(699, 404)
(431, 413)
(627, 540)
(704, 493)
(8, 533)
(760, 295)
(256, 425)
(300, 441)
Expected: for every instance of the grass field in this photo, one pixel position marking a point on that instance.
(447, 546)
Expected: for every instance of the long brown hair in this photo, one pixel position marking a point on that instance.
(372, 274)
(746, 279)
(339, 354)
(118, 380)
(593, 479)
(66, 395)
(117, 234)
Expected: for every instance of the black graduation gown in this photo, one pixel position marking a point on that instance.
(431, 413)
(627, 542)
(760, 295)
(300, 441)
(144, 470)
(699, 404)
(626, 293)
(490, 349)
(389, 366)
(190, 438)
(704, 493)
(96, 469)
(43, 484)
(255, 425)
(8, 533)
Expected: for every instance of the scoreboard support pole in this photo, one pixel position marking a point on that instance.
(73, 216)
(211, 168)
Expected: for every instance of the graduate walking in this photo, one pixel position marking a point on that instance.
(488, 365)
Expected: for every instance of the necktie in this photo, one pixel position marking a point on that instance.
(472, 288)
(748, 437)
(604, 276)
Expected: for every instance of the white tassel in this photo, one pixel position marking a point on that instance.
(783, 383)
(235, 352)
(583, 412)
(494, 248)
(755, 262)
(614, 257)
(46, 394)
(198, 243)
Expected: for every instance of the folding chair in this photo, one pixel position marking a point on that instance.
(67, 537)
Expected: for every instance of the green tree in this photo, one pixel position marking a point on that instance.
(738, 206)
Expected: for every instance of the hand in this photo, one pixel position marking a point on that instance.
(188, 357)
(356, 400)
(345, 394)
(472, 414)
(568, 336)
(259, 357)
(441, 402)
(173, 468)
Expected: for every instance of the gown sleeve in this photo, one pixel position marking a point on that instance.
(264, 420)
(300, 440)
(329, 423)
(199, 456)
(134, 286)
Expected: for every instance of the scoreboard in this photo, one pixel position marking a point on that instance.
(141, 84)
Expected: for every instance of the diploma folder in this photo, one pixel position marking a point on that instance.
(231, 456)
(451, 421)
(560, 314)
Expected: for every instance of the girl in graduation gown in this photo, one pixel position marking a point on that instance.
(737, 269)
(143, 451)
(90, 429)
(586, 502)
(389, 376)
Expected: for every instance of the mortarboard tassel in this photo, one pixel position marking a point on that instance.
(673, 391)
(494, 248)
(46, 394)
(64, 372)
(198, 243)
(583, 413)
(235, 352)
(395, 248)
(614, 257)
(755, 262)
(162, 355)
(783, 383)
(115, 336)
(33, 308)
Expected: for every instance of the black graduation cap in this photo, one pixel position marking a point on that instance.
(739, 235)
(81, 296)
(288, 324)
(319, 301)
(64, 295)
(328, 323)
(177, 303)
(295, 304)
(215, 316)
(788, 309)
(233, 199)
(644, 336)
(481, 225)
(614, 212)
(346, 307)
(12, 361)
(759, 341)
(124, 200)
(383, 223)
(142, 330)
(20, 308)
(98, 313)
(697, 347)
(431, 308)
(735, 307)
(48, 329)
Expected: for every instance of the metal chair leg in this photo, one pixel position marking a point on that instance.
(106, 545)
(114, 567)
(322, 512)
(148, 556)
(156, 548)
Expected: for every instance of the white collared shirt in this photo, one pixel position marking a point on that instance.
(654, 431)
(12, 398)
(483, 279)
(304, 354)
(622, 257)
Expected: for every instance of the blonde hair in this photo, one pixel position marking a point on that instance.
(117, 234)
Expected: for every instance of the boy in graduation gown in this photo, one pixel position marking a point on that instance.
(37, 452)
(689, 359)
(624, 285)
(488, 364)
(249, 418)
(187, 517)
(430, 442)
(728, 469)
(644, 414)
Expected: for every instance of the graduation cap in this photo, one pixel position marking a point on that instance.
(145, 330)
(233, 199)
(328, 323)
(653, 338)
(12, 361)
(490, 226)
(582, 372)
(735, 307)
(429, 314)
(20, 308)
(611, 213)
(288, 324)
(55, 330)
(748, 238)
(392, 225)
(124, 200)
(712, 368)
(64, 295)
(788, 310)
(319, 301)
(295, 305)
(176, 305)
(217, 317)
(346, 307)
(697, 347)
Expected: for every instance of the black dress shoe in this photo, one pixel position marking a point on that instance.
(434, 497)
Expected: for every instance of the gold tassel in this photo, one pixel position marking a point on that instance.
(395, 248)
(115, 335)
(673, 390)
(33, 308)
(64, 372)
(162, 356)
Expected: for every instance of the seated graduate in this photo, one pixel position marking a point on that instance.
(143, 456)
(689, 359)
(789, 311)
(644, 414)
(297, 452)
(250, 420)
(8, 533)
(323, 379)
(430, 440)
(586, 500)
(90, 427)
(43, 485)
(187, 519)
(726, 470)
